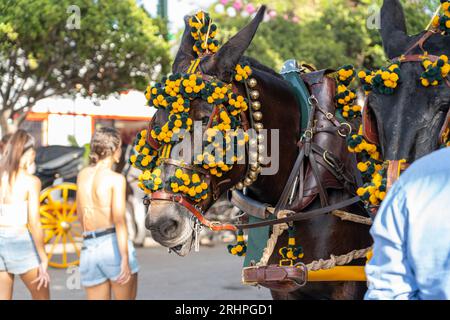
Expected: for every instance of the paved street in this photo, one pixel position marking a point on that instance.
(210, 274)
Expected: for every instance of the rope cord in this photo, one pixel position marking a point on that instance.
(277, 231)
(347, 216)
(338, 260)
(316, 264)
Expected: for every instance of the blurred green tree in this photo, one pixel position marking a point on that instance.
(328, 34)
(60, 47)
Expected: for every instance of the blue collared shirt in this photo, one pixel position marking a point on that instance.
(411, 232)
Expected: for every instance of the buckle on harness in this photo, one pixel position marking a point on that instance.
(324, 156)
(286, 263)
(312, 100)
(346, 125)
(329, 115)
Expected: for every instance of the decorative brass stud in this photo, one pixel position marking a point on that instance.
(260, 138)
(252, 82)
(261, 159)
(248, 182)
(253, 175)
(254, 94)
(259, 126)
(254, 166)
(257, 116)
(256, 105)
(239, 186)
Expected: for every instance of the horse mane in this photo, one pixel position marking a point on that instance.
(258, 65)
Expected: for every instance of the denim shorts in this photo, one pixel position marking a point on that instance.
(18, 255)
(100, 259)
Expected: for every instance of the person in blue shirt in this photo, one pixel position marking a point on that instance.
(411, 232)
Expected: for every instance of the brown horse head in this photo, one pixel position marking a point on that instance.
(171, 224)
(410, 120)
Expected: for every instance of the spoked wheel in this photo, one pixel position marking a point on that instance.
(62, 229)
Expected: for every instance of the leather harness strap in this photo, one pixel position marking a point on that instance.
(309, 149)
(395, 167)
(445, 131)
(297, 216)
(300, 216)
(286, 279)
(406, 57)
(415, 58)
(419, 43)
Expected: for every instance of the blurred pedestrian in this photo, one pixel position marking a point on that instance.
(21, 236)
(3, 143)
(411, 232)
(108, 261)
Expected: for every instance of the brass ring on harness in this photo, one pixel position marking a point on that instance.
(324, 156)
(313, 100)
(146, 201)
(308, 133)
(348, 126)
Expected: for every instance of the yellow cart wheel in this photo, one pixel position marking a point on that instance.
(62, 229)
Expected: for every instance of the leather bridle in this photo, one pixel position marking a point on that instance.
(395, 167)
(214, 187)
(407, 57)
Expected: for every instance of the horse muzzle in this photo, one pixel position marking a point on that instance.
(170, 225)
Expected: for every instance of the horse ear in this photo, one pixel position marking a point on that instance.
(222, 64)
(185, 53)
(393, 29)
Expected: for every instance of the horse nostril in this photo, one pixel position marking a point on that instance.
(168, 228)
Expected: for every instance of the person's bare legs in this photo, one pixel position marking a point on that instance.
(134, 278)
(6, 285)
(127, 291)
(99, 292)
(27, 278)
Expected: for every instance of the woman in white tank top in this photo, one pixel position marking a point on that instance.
(21, 237)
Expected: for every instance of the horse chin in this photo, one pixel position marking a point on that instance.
(183, 249)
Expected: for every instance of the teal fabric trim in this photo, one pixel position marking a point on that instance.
(257, 238)
(301, 95)
(256, 243)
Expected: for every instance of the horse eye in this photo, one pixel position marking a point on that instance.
(205, 120)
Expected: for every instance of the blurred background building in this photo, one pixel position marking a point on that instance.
(64, 121)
